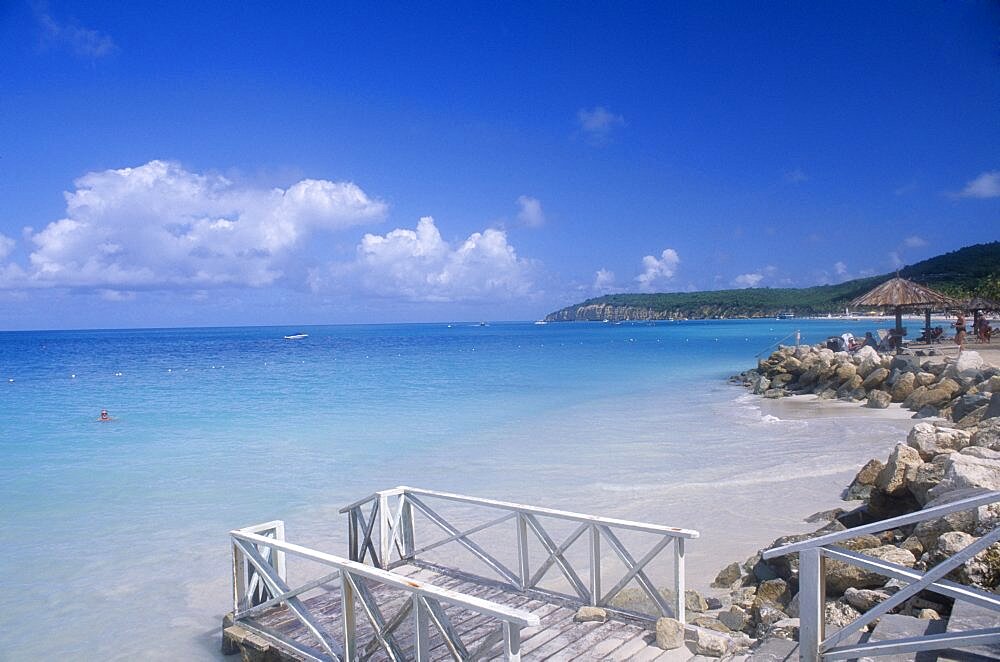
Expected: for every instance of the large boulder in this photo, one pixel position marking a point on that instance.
(875, 378)
(736, 619)
(914, 401)
(709, 644)
(930, 530)
(760, 384)
(950, 385)
(981, 570)
(867, 352)
(923, 438)
(927, 476)
(864, 481)
(903, 386)
(869, 365)
(728, 576)
(968, 365)
(847, 371)
(864, 599)
(775, 591)
(878, 399)
(899, 470)
(933, 439)
(935, 396)
(967, 404)
(841, 576)
(988, 434)
(669, 633)
(925, 378)
(967, 471)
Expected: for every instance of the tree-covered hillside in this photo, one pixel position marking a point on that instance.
(974, 270)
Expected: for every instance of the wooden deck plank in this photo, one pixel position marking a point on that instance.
(557, 637)
(566, 632)
(582, 648)
(649, 653)
(607, 646)
(631, 647)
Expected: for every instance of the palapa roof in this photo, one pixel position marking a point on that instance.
(902, 293)
(980, 303)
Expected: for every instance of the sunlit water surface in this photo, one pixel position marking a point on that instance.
(115, 534)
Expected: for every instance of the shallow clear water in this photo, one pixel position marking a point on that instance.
(116, 533)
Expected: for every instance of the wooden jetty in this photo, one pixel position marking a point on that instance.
(404, 596)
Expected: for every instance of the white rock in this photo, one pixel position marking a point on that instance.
(969, 364)
(669, 633)
(588, 614)
(710, 644)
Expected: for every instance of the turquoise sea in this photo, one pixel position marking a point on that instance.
(115, 534)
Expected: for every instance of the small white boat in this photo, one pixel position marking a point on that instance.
(297, 336)
(541, 322)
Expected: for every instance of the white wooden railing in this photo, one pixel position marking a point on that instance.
(260, 583)
(382, 533)
(815, 646)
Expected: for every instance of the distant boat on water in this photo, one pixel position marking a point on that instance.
(297, 336)
(540, 322)
(785, 315)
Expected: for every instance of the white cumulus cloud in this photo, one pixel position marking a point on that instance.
(748, 280)
(840, 268)
(914, 242)
(159, 225)
(419, 265)
(530, 213)
(656, 270)
(604, 281)
(597, 123)
(986, 185)
(6, 246)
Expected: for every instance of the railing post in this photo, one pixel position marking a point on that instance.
(679, 584)
(595, 566)
(511, 642)
(421, 631)
(239, 580)
(406, 521)
(524, 570)
(811, 603)
(384, 531)
(278, 556)
(352, 535)
(347, 617)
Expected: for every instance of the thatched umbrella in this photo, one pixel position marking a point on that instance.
(900, 293)
(979, 305)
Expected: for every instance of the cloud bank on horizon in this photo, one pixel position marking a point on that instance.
(162, 227)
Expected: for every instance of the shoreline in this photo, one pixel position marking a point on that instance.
(951, 450)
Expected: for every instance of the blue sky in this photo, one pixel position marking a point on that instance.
(167, 164)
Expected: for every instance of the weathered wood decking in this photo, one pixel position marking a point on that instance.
(557, 637)
(389, 600)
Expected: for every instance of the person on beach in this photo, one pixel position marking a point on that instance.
(104, 416)
(960, 331)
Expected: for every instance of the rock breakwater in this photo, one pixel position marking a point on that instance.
(954, 456)
(957, 390)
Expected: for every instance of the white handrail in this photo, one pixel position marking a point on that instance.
(534, 510)
(385, 531)
(518, 616)
(885, 525)
(813, 646)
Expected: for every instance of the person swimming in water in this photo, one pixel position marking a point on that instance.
(104, 416)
